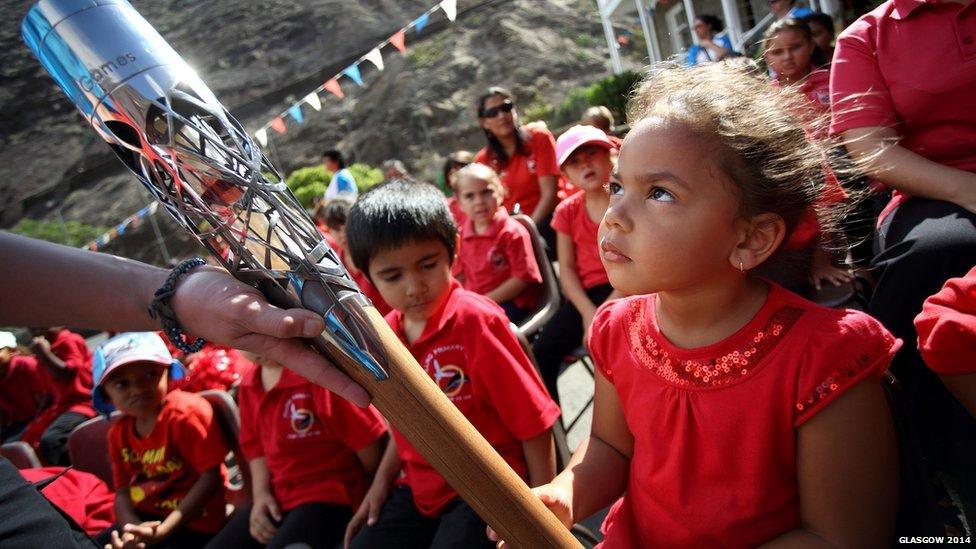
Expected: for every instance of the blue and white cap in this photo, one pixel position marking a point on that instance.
(129, 348)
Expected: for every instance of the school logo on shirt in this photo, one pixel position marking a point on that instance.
(497, 260)
(530, 164)
(442, 365)
(299, 415)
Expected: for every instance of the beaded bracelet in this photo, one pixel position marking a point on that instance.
(160, 307)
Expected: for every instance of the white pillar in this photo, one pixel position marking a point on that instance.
(650, 33)
(611, 42)
(690, 13)
(732, 22)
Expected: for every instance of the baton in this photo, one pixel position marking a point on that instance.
(169, 129)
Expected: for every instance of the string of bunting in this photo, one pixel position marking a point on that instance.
(130, 222)
(352, 72)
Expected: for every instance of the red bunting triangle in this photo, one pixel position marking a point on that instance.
(278, 125)
(399, 41)
(334, 87)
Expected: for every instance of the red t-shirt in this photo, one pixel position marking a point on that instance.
(911, 65)
(521, 175)
(503, 251)
(160, 468)
(471, 353)
(946, 327)
(74, 395)
(82, 496)
(308, 438)
(571, 218)
(22, 386)
(364, 284)
(456, 212)
(715, 428)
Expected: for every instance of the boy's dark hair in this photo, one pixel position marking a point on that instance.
(336, 211)
(822, 19)
(598, 116)
(714, 23)
(495, 148)
(395, 213)
(335, 156)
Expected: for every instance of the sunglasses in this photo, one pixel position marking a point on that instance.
(492, 112)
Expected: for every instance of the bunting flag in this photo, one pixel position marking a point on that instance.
(262, 136)
(375, 57)
(399, 41)
(333, 86)
(450, 9)
(313, 100)
(421, 22)
(296, 112)
(278, 125)
(352, 71)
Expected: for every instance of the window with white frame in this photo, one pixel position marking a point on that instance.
(678, 30)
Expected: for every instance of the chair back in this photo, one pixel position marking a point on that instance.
(549, 297)
(228, 418)
(88, 448)
(20, 454)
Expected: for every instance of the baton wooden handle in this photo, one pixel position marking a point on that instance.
(411, 401)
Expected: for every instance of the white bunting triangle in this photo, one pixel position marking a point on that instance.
(262, 137)
(375, 57)
(313, 100)
(450, 8)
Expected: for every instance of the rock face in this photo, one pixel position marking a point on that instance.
(259, 56)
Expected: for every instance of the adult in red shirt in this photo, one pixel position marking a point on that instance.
(524, 157)
(310, 454)
(947, 337)
(902, 99)
(22, 389)
(65, 357)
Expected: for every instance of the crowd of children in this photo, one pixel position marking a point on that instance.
(728, 410)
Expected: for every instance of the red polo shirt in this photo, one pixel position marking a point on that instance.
(456, 212)
(570, 218)
(946, 327)
(162, 467)
(22, 386)
(504, 250)
(82, 496)
(471, 353)
(911, 65)
(522, 172)
(308, 438)
(75, 394)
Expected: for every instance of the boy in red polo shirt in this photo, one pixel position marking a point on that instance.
(22, 389)
(65, 357)
(167, 450)
(404, 237)
(496, 258)
(311, 456)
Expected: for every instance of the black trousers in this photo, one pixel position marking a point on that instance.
(54, 441)
(402, 525)
(313, 525)
(920, 246)
(561, 336)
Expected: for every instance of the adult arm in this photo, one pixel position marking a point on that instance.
(46, 284)
(547, 198)
(847, 467)
(540, 457)
(881, 157)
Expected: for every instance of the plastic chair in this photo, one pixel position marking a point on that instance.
(549, 296)
(228, 418)
(20, 454)
(88, 448)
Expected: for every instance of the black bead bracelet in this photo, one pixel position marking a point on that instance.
(160, 308)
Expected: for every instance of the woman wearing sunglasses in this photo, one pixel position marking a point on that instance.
(524, 156)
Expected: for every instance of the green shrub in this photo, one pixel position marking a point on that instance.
(308, 183)
(612, 92)
(71, 233)
(365, 175)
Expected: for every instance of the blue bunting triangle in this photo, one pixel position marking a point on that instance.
(296, 112)
(421, 22)
(352, 71)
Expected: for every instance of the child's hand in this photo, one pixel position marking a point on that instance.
(264, 514)
(146, 533)
(369, 511)
(125, 541)
(40, 343)
(822, 269)
(557, 499)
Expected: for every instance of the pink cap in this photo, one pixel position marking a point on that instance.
(576, 137)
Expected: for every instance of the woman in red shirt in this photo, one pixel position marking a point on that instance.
(524, 157)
